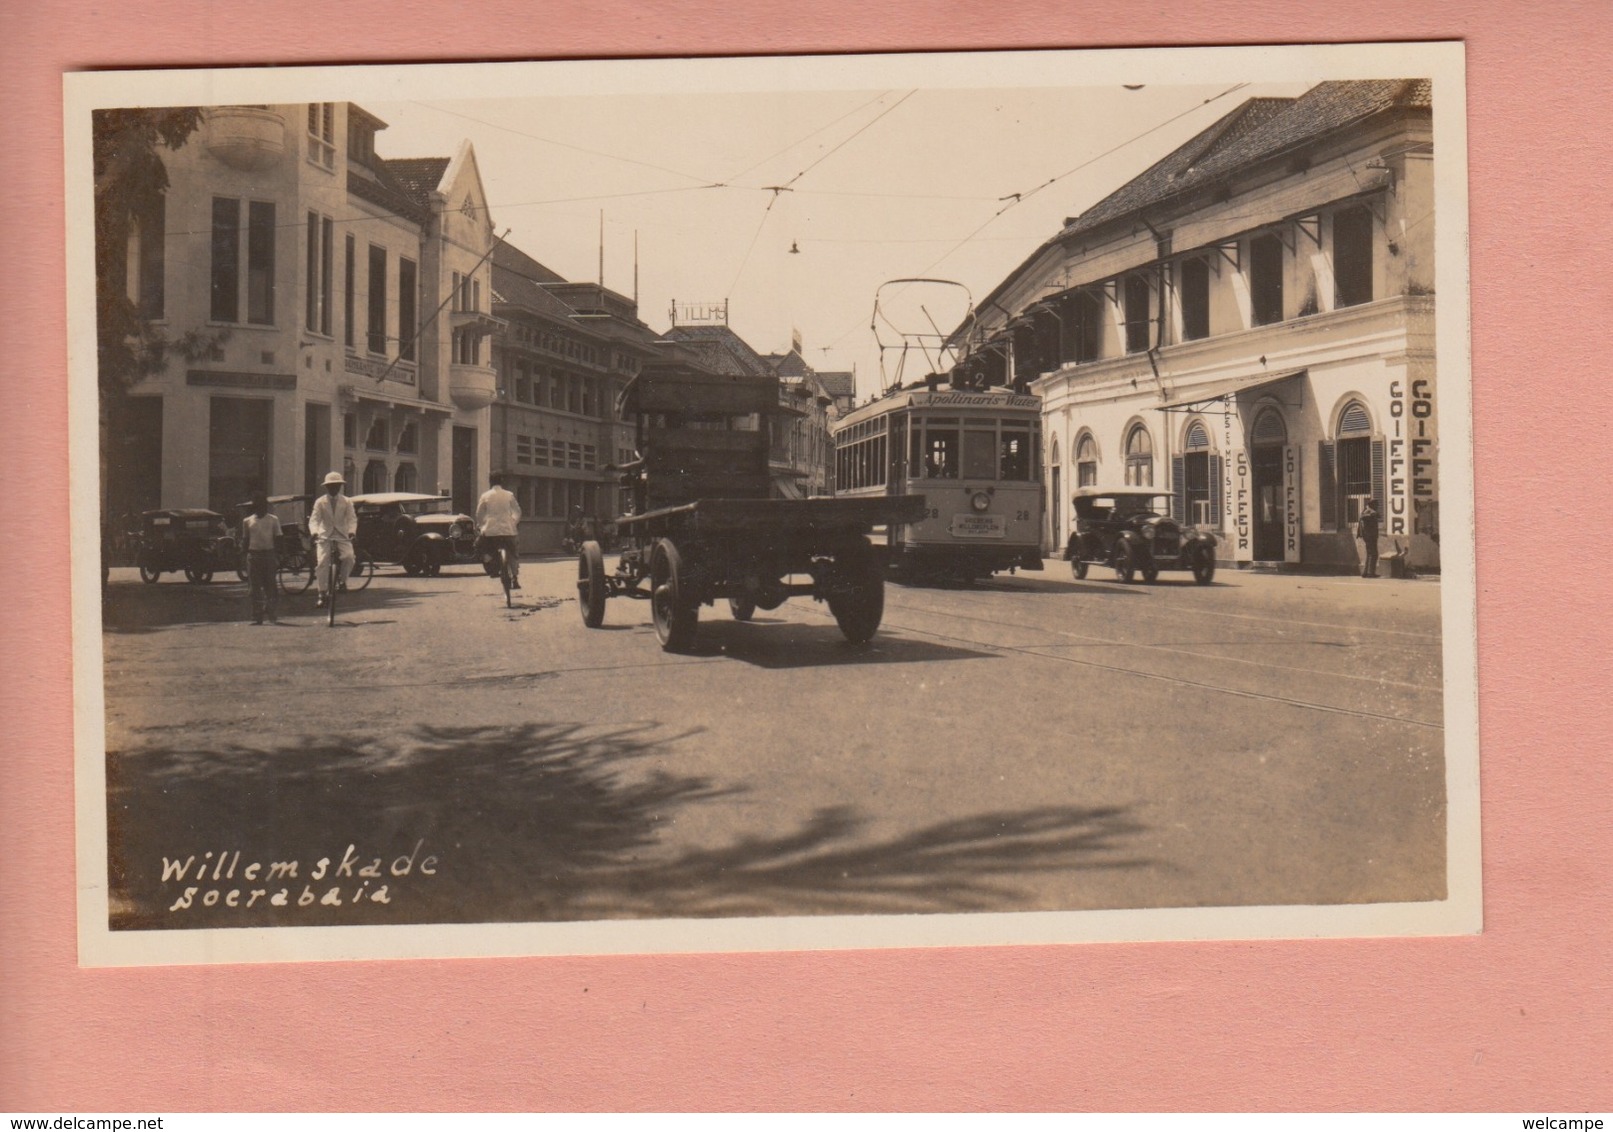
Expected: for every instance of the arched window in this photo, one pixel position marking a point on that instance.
(1196, 479)
(1086, 461)
(1269, 429)
(375, 476)
(1139, 457)
(404, 479)
(1351, 467)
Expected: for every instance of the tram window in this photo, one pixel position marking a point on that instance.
(915, 451)
(979, 455)
(941, 453)
(1016, 456)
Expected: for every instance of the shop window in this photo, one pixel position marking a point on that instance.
(375, 477)
(1086, 461)
(1266, 279)
(1194, 282)
(1135, 302)
(1352, 256)
(1139, 457)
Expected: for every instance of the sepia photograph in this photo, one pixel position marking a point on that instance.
(772, 503)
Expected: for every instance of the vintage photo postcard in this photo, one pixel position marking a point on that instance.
(772, 503)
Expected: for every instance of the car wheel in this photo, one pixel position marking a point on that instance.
(1078, 568)
(414, 565)
(742, 607)
(591, 587)
(149, 574)
(198, 577)
(676, 614)
(1150, 574)
(1204, 566)
(1125, 566)
(858, 606)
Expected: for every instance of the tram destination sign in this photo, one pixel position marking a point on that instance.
(983, 400)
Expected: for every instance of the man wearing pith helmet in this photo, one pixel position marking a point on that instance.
(333, 523)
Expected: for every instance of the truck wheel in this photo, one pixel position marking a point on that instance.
(1204, 566)
(591, 591)
(676, 615)
(858, 603)
(1125, 567)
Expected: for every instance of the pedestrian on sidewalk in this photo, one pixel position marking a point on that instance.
(332, 522)
(261, 534)
(1367, 528)
(498, 522)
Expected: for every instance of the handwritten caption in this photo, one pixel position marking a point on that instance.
(330, 883)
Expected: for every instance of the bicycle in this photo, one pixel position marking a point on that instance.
(358, 578)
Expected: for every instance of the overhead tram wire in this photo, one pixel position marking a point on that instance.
(1020, 197)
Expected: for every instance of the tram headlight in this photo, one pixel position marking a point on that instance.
(980, 501)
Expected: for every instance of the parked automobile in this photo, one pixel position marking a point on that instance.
(422, 533)
(1129, 530)
(191, 540)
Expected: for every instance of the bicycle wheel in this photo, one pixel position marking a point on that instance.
(363, 572)
(296, 575)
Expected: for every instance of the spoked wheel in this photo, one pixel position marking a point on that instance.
(591, 590)
(149, 574)
(197, 577)
(296, 575)
(1125, 566)
(676, 613)
(858, 601)
(1078, 568)
(742, 607)
(363, 572)
(1204, 566)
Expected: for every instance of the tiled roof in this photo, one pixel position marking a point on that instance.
(383, 189)
(1259, 129)
(839, 383)
(418, 176)
(722, 348)
(518, 280)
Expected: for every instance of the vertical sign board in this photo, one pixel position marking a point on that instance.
(1291, 498)
(1413, 446)
(1237, 494)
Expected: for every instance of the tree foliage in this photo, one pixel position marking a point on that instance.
(130, 180)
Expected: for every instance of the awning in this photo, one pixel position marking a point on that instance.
(1200, 396)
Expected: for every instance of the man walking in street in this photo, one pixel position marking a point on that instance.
(1367, 528)
(498, 522)
(332, 522)
(260, 533)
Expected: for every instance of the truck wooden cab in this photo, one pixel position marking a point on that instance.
(708, 523)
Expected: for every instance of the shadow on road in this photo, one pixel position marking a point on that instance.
(527, 824)
(776, 644)
(1026, 586)
(140, 608)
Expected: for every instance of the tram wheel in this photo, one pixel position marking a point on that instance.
(676, 614)
(591, 584)
(859, 603)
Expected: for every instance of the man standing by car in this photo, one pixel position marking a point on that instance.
(332, 522)
(498, 521)
(260, 531)
(1367, 528)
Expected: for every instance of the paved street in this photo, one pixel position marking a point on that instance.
(1030, 743)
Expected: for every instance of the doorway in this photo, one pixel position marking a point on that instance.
(1266, 484)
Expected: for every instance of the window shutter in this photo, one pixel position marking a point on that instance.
(1216, 474)
(1327, 486)
(1179, 489)
(1377, 476)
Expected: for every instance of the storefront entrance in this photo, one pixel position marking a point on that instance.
(1266, 485)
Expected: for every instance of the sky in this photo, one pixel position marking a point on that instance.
(796, 205)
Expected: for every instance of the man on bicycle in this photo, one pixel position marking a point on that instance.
(498, 521)
(332, 522)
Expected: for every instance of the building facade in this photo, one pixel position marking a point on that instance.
(326, 309)
(564, 352)
(1249, 326)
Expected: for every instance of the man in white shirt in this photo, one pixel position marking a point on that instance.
(333, 523)
(498, 521)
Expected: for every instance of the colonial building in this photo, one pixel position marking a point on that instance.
(327, 309)
(563, 355)
(1248, 324)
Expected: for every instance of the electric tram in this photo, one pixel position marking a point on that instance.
(974, 454)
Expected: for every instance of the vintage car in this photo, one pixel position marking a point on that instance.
(1129, 529)
(191, 540)
(423, 533)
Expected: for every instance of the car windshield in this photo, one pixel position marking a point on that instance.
(425, 507)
